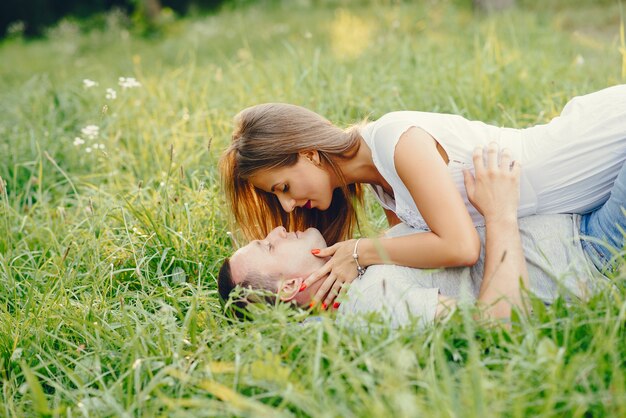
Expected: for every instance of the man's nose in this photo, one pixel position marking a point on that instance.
(287, 203)
(278, 232)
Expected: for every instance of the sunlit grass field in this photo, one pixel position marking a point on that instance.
(113, 225)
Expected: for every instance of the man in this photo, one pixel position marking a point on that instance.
(544, 253)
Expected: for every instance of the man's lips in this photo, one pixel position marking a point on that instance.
(307, 204)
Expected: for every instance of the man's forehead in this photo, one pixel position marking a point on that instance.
(238, 261)
(237, 265)
(252, 248)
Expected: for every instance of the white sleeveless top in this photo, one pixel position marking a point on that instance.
(568, 165)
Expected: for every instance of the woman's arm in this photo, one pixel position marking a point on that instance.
(452, 240)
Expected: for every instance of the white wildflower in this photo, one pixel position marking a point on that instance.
(87, 83)
(90, 131)
(88, 150)
(17, 354)
(136, 363)
(128, 82)
(24, 388)
(162, 184)
(579, 60)
(111, 94)
(98, 146)
(78, 141)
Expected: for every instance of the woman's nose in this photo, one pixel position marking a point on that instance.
(287, 203)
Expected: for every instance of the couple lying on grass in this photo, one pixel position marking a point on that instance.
(288, 166)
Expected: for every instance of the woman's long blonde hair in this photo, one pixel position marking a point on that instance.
(272, 135)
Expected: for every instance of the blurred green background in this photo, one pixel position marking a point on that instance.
(113, 223)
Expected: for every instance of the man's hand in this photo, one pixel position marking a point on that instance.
(495, 189)
(495, 193)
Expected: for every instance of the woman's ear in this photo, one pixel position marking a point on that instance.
(289, 288)
(312, 155)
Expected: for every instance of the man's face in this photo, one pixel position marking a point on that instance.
(282, 254)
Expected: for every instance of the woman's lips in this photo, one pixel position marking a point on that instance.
(307, 204)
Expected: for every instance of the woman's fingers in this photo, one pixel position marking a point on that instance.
(323, 290)
(340, 296)
(313, 277)
(334, 292)
(325, 252)
(335, 273)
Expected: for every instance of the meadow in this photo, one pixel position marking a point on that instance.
(113, 224)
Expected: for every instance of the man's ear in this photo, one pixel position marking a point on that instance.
(312, 155)
(289, 288)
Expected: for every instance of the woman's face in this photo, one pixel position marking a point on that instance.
(306, 184)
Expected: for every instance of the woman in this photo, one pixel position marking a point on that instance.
(289, 166)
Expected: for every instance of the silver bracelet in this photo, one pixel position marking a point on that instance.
(360, 270)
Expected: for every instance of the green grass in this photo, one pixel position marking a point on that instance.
(108, 259)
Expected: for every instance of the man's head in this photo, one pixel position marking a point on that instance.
(279, 263)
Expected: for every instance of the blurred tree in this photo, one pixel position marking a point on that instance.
(152, 9)
(493, 5)
(35, 15)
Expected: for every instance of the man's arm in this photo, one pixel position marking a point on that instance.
(495, 193)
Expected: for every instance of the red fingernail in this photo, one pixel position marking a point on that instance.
(302, 287)
(311, 305)
(315, 251)
(335, 305)
(324, 306)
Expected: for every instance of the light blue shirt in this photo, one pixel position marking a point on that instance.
(556, 265)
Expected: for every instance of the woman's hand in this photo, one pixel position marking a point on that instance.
(339, 271)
